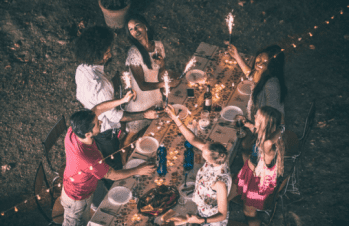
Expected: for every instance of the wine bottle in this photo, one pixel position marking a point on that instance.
(208, 99)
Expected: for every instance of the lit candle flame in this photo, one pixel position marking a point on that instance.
(230, 21)
(127, 79)
(190, 64)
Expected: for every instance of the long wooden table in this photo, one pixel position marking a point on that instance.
(210, 59)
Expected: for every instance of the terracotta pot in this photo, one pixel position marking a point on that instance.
(114, 18)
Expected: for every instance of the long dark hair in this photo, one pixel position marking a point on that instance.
(275, 68)
(139, 46)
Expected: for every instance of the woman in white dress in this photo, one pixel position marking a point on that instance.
(213, 180)
(146, 62)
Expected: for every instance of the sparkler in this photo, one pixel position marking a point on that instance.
(190, 64)
(167, 86)
(127, 81)
(230, 24)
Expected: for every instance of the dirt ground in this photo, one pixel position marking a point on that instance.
(37, 83)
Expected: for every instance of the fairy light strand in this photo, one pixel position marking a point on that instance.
(188, 66)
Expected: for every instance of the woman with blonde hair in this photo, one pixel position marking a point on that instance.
(213, 180)
(258, 177)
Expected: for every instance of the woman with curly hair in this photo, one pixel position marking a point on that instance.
(258, 177)
(267, 74)
(146, 61)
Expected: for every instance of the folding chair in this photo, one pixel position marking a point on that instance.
(49, 206)
(291, 143)
(57, 130)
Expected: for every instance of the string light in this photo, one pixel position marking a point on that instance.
(341, 12)
(48, 190)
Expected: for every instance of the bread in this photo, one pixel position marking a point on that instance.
(168, 215)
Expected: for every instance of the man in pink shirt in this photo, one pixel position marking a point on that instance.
(83, 166)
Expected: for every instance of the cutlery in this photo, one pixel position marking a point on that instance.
(108, 211)
(185, 180)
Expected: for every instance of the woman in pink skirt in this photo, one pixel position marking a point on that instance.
(257, 178)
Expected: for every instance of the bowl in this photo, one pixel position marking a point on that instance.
(147, 145)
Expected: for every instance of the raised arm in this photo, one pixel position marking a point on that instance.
(187, 133)
(233, 52)
(142, 169)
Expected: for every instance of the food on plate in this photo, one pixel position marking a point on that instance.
(158, 200)
(168, 215)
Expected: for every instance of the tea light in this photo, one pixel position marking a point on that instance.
(174, 157)
(159, 127)
(159, 181)
(152, 134)
(136, 218)
(176, 152)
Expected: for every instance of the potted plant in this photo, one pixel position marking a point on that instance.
(114, 12)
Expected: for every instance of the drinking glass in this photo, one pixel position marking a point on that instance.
(239, 124)
(204, 122)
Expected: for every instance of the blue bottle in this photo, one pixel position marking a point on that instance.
(162, 160)
(188, 156)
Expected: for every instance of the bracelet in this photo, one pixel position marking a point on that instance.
(205, 218)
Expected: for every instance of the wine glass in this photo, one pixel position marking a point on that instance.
(239, 124)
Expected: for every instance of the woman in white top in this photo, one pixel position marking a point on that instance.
(146, 61)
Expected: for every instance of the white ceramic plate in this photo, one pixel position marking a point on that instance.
(181, 110)
(229, 113)
(147, 145)
(119, 195)
(196, 76)
(133, 163)
(189, 183)
(245, 87)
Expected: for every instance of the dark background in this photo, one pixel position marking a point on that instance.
(37, 83)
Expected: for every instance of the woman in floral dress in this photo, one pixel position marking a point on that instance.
(213, 180)
(146, 62)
